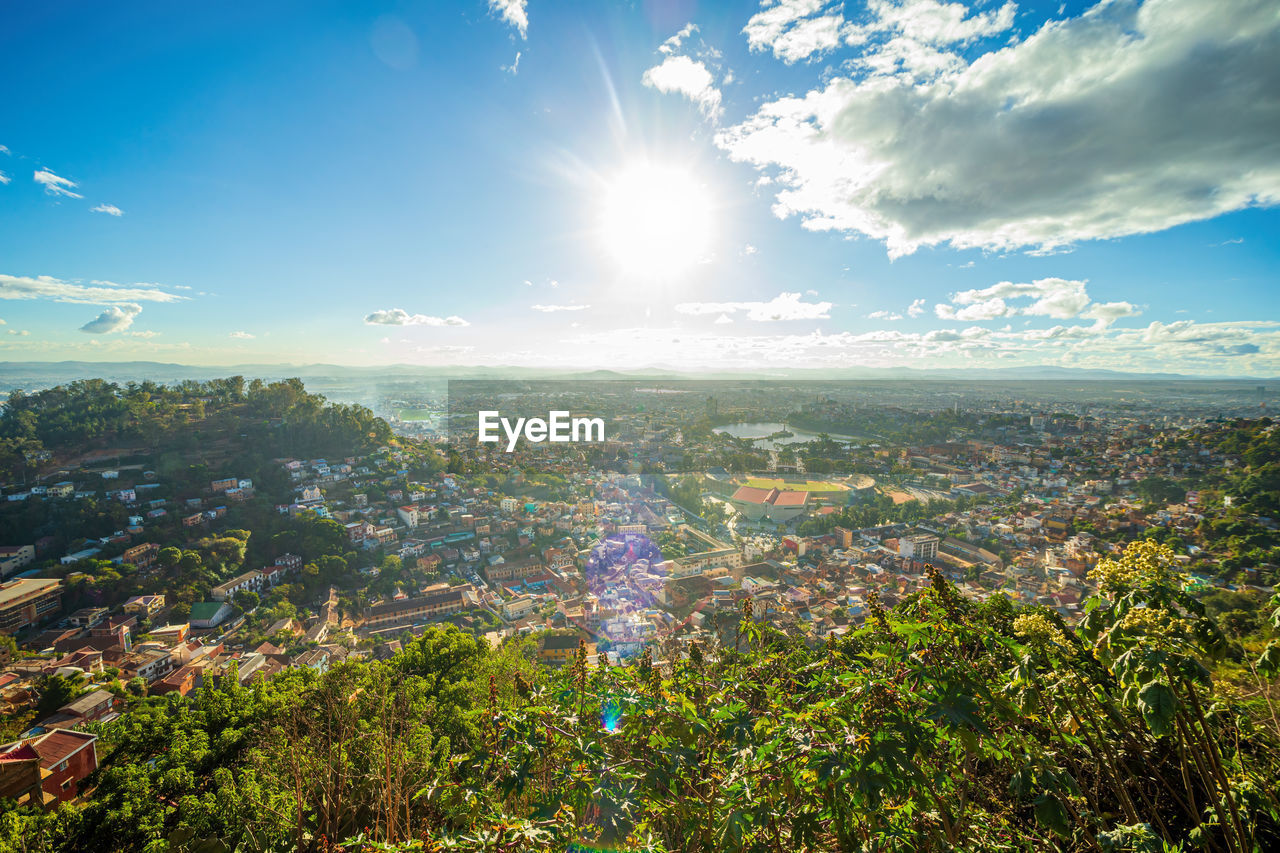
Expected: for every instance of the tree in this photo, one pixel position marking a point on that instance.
(246, 599)
(58, 690)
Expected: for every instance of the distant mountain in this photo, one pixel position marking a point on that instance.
(40, 374)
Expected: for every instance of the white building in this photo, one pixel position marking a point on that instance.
(920, 547)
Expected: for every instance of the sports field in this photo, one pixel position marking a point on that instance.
(790, 486)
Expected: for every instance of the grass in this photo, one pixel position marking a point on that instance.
(413, 414)
(805, 486)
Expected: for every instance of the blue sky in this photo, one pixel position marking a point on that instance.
(616, 184)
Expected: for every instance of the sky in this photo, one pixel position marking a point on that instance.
(612, 184)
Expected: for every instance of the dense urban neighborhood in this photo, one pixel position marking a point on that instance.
(164, 542)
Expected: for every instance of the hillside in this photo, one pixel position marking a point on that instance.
(942, 725)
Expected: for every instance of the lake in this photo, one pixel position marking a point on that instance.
(760, 430)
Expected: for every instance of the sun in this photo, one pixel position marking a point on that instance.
(655, 221)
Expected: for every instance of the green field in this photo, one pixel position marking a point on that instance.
(786, 485)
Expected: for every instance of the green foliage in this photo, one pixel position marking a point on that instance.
(942, 725)
(58, 690)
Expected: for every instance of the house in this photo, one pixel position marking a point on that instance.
(22, 778)
(310, 494)
(92, 707)
(273, 575)
(250, 580)
(180, 681)
(83, 554)
(142, 555)
(64, 757)
(290, 561)
(14, 557)
(60, 490)
(358, 531)
(218, 486)
(555, 650)
(518, 607)
(148, 663)
(87, 617)
(144, 605)
(207, 614)
(317, 659)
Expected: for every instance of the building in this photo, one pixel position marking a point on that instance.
(144, 605)
(22, 777)
(555, 650)
(410, 610)
(142, 555)
(769, 504)
(518, 607)
(513, 569)
(92, 707)
(920, 547)
(251, 580)
(27, 601)
(64, 757)
(14, 557)
(208, 614)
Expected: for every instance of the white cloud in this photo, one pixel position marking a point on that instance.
(917, 37)
(1128, 119)
(550, 309)
(55, 185)
(117, 318)
(723, 320)
(672, 44)
(883, 315)
(110, 209)
(242, 336)
(21, 334)
(4, 179)
(400, 317)
(794, 29)
(784, 306)
(1058, 298)
(445, 349)
(1107, 313)
(514, 67)
(4, 149)
(514, 12)
(688, 77)
(1249, 347)
(100, 293)
(916, 308)
(750, 250)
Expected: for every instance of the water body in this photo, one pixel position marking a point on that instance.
(759, 432)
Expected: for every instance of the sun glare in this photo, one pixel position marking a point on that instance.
(655, 221)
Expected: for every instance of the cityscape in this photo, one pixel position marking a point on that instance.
(505, 426)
